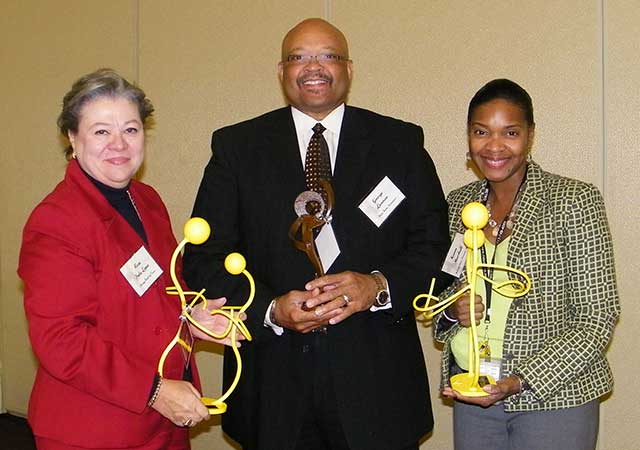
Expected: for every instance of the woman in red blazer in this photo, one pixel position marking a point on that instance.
(97, 334)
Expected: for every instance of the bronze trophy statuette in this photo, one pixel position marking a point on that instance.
(313, 213)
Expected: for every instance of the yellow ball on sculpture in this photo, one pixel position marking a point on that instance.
(196, 230)
(468, 238)
(475, 215)
(235, 263)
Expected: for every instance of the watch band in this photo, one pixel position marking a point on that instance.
(272, 311)
(382, 296)
(524, 386)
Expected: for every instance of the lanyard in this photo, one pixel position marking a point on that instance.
(488, 271)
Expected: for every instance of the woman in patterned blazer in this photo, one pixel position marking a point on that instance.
(546, 349)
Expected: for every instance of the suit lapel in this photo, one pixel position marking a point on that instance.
(353, 149)
(529, 210)
(282, 144)
(128, 240)
(474, 195)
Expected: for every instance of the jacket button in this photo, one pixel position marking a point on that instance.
(517, 302)
(157, 331)
(305, 348)
(508, 356)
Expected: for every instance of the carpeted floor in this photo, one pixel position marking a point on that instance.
(15, 433)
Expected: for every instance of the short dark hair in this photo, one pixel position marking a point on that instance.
(504, 89)
(101, 83)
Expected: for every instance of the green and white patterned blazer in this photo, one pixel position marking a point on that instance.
(556, 335)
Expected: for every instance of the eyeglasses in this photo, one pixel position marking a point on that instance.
(323, 58)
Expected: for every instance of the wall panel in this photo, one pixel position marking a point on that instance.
(423, 61)
(205, 66)
(45, 47)
(621, 157)
(209, 63)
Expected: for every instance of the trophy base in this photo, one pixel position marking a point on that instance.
(214, 406)
(464, 384)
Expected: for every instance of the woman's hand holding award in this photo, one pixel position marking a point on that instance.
(474, 218)
(196, 232)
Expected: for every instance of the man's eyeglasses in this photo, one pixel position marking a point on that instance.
(323, 58)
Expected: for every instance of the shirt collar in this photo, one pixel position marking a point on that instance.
(333, 121)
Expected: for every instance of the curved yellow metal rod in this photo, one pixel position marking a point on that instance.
(439, 306)
(197, 231)
(474, 217)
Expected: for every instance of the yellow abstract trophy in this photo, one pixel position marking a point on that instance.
(474, 218)
(196, 232)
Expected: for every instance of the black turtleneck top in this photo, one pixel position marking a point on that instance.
(122, 202)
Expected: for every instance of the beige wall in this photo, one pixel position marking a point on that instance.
(44, 47)
(209, 63)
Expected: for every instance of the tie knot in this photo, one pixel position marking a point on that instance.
(318, 128)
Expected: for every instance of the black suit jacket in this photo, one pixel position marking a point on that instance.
(376, 360)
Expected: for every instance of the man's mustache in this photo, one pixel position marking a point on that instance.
(314, 77)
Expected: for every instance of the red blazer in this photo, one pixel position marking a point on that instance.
(97, 341)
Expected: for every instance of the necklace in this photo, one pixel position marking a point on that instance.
(509, 220)
(497, 230)
(133, 203)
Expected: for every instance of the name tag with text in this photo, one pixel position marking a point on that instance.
(456, 259)
(382, 201)
(141, 270)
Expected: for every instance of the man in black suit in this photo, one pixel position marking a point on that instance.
(336, 361)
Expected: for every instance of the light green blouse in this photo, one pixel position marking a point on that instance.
(494, 331)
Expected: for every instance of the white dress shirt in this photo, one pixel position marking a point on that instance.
(304, 131)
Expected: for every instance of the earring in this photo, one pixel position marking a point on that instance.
(468, 156)
(529, 157)
(73, 155)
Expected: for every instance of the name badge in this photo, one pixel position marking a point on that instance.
(456, 259)
(382, 201)
(492, 367)
(141, 271)
(327, 245)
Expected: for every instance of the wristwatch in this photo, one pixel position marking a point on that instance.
(382, 296)
(524, 386)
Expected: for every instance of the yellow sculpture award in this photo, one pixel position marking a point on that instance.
(474, 218)
(196, 232)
